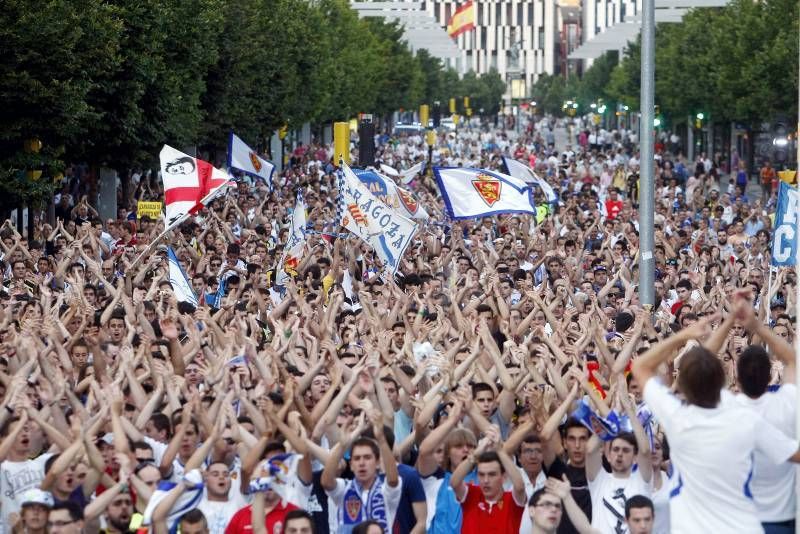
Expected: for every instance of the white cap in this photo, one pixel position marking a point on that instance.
(37, 496)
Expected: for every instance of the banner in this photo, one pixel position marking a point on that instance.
(784, 240)
(470, 193)
(526, 174)
(151, 209)
(392, 195)
(386, 230)
(179, 281)
(189, 184)
(243, 158)
(462, 20)
(296, 242)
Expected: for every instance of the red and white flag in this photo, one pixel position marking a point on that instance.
(189, 184)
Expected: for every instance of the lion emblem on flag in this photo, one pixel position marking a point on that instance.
(255, 161)
(488, 187)
(409, 202)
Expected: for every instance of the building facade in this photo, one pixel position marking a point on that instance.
(519, 38)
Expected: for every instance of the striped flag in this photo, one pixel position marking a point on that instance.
(179, 281)
(189, 184)
(463, 20)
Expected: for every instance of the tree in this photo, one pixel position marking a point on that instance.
(52, 54)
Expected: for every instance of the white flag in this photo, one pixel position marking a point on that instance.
(243, 158)
(525, 173)
(385, 229)
(295, 244)
(409, 174)
(179, 280)
(470, 193)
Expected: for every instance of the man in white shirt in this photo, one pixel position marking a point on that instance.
(369, 495)
(772, 485)
(610, 491)
(219, 503)
(712, 438)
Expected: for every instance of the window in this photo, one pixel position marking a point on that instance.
(520, 16)
(541, 39)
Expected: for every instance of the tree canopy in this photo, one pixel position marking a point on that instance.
(735, 63)
(108, 82)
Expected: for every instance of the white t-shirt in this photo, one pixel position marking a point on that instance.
(531, 486)
(219, 513)
(391, 496)
(609, 495)
(712, 452)
(15, 479)
(772, 484)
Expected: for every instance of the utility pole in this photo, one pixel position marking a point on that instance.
(647, 186)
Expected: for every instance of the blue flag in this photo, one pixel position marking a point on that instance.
(784, 238)
(606, 428)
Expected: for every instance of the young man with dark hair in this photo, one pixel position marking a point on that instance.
(639, 515)
(574, 440)
(65, 518)
(711, 440)
(298, 522)
(193, 522)
(611, 490)
(487, 508)
(772, 485)
(369, 495)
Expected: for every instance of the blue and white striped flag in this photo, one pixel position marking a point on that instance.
(179, 281)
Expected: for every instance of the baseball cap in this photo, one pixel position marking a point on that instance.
(37, 496)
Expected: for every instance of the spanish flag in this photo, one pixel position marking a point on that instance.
(462, 20)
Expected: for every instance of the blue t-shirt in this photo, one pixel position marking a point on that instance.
(412, 492)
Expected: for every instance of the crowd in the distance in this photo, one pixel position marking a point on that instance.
(506, 380)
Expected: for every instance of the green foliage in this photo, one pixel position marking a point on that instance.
(52, 56)
(109, 81)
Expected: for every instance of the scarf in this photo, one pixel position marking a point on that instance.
(354, 511)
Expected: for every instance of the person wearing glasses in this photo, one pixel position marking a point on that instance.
(546, 509)
(65, 518)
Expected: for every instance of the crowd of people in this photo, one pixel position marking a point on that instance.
(506, 380)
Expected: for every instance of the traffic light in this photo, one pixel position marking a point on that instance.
(466, 102)
(452, 105)
(437, 113)
(698, 120)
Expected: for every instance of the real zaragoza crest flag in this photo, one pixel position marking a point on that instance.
(470, 193)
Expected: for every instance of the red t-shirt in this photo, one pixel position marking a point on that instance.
(613, 207)
(481, 517)
(242, 521)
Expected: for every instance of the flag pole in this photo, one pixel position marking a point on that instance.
(769, 293)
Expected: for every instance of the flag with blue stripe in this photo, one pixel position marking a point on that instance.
(179, 281)
(784, 239)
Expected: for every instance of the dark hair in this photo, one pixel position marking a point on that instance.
(536, 497)
(75, 510)
(178, 161)
(686, 284)
(753, 370)
(574, 423)
(161, 422)
(367, 442)
(477, 387)
(701, 377)
(489, 457)
(638, 501)
(629, 438)
(363, 527)
(299, 514)
(193, 517)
